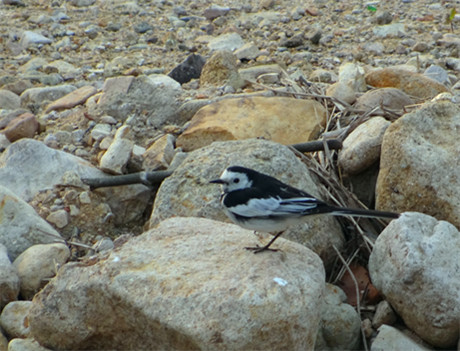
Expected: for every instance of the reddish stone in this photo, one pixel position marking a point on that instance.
(413, 84)
(76, 97)
(312, 11)
(23, 126)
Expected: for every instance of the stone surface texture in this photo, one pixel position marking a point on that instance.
(153, 293)
(419, 168)
(414, 265)
(284, 120)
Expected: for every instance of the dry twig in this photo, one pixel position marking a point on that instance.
(156, 177)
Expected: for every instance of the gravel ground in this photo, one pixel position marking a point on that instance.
(113, 37)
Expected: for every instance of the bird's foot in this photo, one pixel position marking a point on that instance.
(258, 249)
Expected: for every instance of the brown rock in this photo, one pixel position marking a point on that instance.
(76, 97)
(18, 86)
(214, 11)
(389, 98)
(267, 4)
(413, 84)
(421, 46)
(221, 69)
(280, 119)
(160, 154)
(23, 126)
(9, 116)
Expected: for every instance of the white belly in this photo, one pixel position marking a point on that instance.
(267, 225)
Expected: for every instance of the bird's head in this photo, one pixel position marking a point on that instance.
(234, 178)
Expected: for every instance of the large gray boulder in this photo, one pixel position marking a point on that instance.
(419, 166)
(187, 284)
(415, 265)
(151, 99)
(20, 226)
(28, 166)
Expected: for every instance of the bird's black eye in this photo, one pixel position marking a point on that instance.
(236, 180)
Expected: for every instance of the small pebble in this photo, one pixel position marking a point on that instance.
(59, 218)
(84, 198)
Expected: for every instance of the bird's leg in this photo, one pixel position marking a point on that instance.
(258, 248)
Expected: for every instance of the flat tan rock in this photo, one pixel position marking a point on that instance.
(221, 69)
(280, 119)
(389, 98)
(160, 154)
(75, 98)
(413, 84)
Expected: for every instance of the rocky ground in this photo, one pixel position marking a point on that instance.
(90, 88)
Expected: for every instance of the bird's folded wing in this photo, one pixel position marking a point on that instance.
(256, 207)
(298, 205)
(274, 207)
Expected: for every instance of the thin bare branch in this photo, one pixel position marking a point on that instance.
(152, 178)
(146, 178)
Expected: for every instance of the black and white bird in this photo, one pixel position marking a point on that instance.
(262, 203)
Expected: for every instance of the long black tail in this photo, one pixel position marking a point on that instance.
(339, 211)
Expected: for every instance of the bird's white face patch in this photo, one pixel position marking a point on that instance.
(234, 181)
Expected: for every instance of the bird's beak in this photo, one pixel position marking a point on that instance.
(217, 181)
